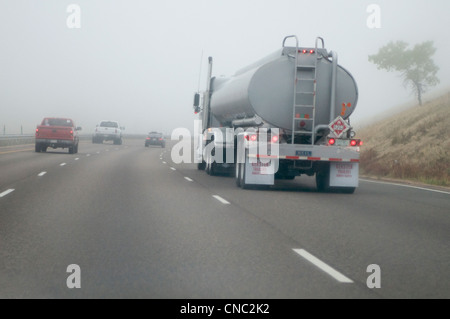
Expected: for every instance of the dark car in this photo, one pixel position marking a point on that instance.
(155, 138)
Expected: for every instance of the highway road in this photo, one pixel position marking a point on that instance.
(140, 226)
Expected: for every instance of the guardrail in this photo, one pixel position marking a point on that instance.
(8, 140)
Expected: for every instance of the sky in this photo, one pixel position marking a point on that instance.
(140, 62)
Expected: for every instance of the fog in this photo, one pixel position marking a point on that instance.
(140, 61)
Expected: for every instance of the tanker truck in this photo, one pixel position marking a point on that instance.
(283, 116)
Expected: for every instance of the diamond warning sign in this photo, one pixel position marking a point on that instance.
(339, 126)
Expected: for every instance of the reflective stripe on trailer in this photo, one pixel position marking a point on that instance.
(306, 158)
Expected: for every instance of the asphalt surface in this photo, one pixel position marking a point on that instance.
(140, 226)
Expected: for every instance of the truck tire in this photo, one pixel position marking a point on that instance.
(44, 148)
(244, 185)
(323, 180)
(37, 148)
(76, 149)
(201, 166)
(237, 169)
(71, 149)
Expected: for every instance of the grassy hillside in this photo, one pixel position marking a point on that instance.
(412, 145)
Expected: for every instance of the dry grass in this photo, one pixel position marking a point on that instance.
(412, 145)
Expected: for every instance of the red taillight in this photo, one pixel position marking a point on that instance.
(304, 51)
(331, 141)
(252, 137)
(353, 142)
(37, 130)
(360, 143)
(71, 132)
(275, 139)
(161, 139)
(311, 51)
(147, 138)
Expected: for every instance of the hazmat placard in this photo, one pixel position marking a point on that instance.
(344, 174)
(339, 126)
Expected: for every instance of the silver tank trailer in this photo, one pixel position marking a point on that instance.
(265, 90)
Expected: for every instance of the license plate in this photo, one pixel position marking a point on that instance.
(53, 141)
(342, 142)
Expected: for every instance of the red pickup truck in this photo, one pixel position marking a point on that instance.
(55, 133)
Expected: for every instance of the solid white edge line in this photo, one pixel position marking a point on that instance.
(323, 266)
(6, 192)
(62, 164)
(402, 185)
(173, 168)
(164, 162)
(42, 174)
(77, 158)
(220, 199)
(188, 179)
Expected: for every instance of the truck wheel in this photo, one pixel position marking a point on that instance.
(44, 149)
(71, 149)
(244, 185)
(75, 149)
(213, 169)
(37, 148)
(201, 166)
(237, 168)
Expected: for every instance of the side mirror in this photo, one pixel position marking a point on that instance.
(196, 99)
(79, 128)
(196, 103)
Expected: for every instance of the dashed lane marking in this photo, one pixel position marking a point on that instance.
(220, 199)
(323, 266)
(6, 192)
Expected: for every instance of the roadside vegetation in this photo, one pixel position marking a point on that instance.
(412, 145)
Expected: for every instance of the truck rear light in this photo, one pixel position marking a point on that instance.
(360, 143)
(353, 142)
(252, 137)
(160, 139)
(331, 141)
(275, 139)
(311, 51)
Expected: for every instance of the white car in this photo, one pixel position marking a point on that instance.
(108, 131)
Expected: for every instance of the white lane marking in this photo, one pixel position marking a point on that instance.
(88, 154)
(77, 158)
(220, 199)
(409, 186)
(42, 174)
(188, 179)
(164, 162)
(62, 164)
(6, 192)
(98, 152)
(107, 150)
(323, 266)
(173, 168)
